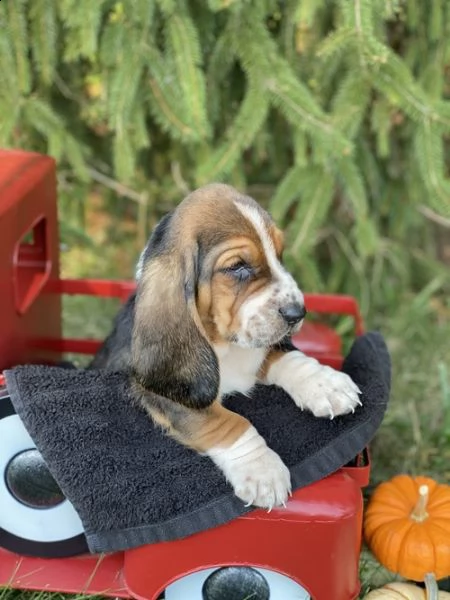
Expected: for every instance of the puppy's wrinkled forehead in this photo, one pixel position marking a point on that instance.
(217, 212)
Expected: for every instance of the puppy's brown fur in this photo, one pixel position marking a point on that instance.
(186, 302)
(212, 314)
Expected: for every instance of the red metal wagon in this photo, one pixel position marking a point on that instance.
(311, 548)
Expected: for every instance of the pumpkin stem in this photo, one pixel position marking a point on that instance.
(419, 513)
(431, 587)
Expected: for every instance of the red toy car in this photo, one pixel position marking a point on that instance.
(309, 550)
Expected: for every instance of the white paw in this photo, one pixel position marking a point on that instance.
(320, 389)
(264, 481)
(258, 475)
(327, 393)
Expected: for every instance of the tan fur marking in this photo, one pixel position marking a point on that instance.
(204, 307)
(218, 307)
(278, 240)
(219, 428)
(205, 209)
(272, 357)
(160, 419)
(213, 427)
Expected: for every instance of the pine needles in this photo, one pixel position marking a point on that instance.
(341, 106)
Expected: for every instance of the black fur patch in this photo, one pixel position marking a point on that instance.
(115, 352)
(285, 345)
(158, 241)
(186, 371)
(165, 352)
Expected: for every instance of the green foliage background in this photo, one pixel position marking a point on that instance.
(333, 113)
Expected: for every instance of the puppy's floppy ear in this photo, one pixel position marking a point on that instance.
(171, 355)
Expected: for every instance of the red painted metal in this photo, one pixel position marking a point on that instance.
(320, 341)
(29, 256)
(315, 540)
(105, 288)
(335, 304)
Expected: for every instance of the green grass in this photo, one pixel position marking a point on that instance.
(415, 433)
(10, 594)
(414, 437)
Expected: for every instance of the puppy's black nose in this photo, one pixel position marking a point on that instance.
(293, 313)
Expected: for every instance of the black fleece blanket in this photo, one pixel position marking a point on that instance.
(132, 485)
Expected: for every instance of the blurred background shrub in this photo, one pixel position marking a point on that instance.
(334, 114)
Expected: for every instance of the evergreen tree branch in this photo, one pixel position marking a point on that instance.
(116, 186)
(43, 37)
(18, 28)
(429, 153)
(163, 100)
(288, 190)
(251, 114)
(184, 46)
(316, 195)
(258, 53)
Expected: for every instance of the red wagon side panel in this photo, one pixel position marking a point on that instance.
(29, 256)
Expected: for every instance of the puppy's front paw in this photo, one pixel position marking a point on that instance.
(264, 481)
(258, 475)
(320, 389)
(328, 393)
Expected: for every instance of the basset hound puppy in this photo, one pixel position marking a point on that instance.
(212, 314)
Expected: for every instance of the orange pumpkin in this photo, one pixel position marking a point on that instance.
(407, 526)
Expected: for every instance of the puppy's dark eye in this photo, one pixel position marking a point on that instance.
(241, 271)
